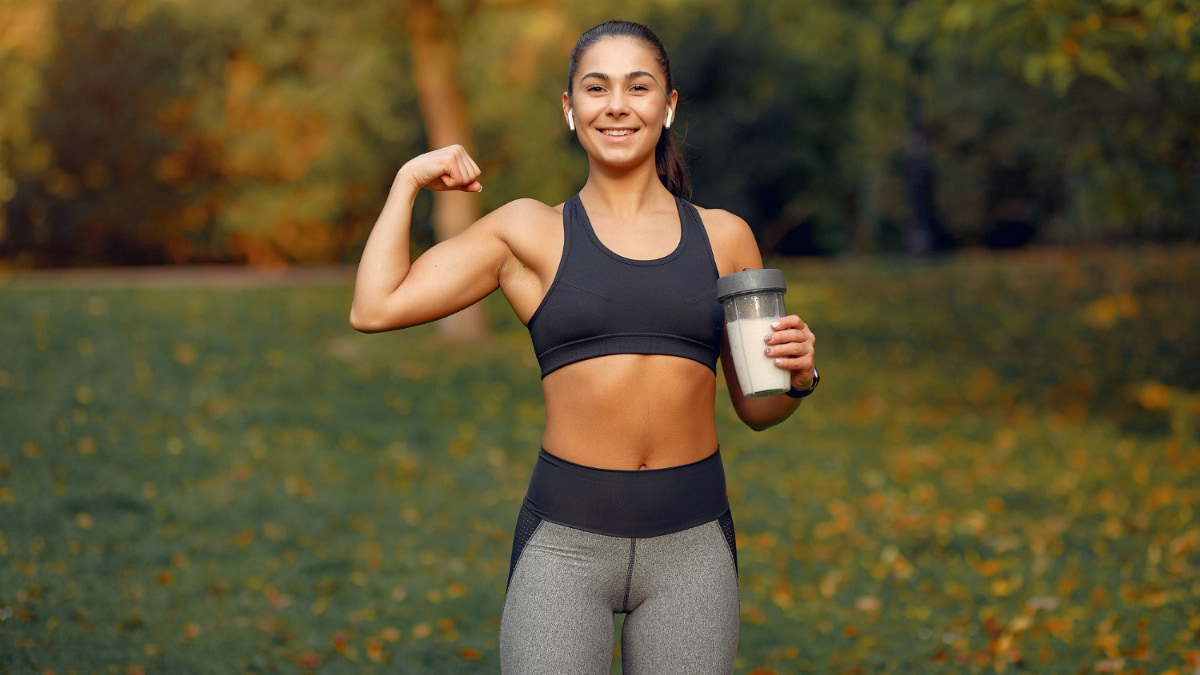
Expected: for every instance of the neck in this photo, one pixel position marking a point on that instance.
(626, 193)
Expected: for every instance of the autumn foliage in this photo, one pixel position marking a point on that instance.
(138, 132)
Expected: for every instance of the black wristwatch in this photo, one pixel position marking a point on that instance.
(801, 393)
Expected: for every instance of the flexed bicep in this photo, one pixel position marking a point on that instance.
(449, 277)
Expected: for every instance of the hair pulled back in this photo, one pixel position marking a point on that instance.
(668, 160)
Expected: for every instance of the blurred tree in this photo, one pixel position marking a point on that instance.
(266, 132)
(81, 137)
(433, 35)
(763, 127)
(1112, 88)
(288, 127)
(27, 43)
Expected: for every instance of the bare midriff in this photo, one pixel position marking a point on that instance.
(631, 411)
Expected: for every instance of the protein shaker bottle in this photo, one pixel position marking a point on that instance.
(752, 300)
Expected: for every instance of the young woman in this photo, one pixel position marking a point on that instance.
(626, 510)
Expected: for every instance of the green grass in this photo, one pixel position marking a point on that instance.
(999, 473)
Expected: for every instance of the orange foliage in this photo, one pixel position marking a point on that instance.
(26, 29)
(294, 137)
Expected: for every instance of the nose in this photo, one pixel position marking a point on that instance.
(617, 105)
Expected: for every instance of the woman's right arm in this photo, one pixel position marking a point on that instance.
(390, 290)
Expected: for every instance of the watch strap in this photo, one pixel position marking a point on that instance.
(801, 393)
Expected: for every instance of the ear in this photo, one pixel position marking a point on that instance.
(568, 112)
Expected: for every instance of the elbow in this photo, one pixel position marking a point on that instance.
(378, 321)
(365, 323)
(762, 422)
(360, 325)
(756, 425)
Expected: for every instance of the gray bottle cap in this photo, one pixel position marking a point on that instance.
(750, 281)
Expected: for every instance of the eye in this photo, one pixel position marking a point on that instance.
(640, 88)
(592, 88)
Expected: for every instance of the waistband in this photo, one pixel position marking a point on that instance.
(645, 503)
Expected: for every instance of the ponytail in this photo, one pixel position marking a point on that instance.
(672, 170)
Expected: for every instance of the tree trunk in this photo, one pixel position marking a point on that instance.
(444, 111)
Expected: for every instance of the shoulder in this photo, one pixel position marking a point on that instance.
(530, 230)
(516, 218)
(732, 240)
(520, 214)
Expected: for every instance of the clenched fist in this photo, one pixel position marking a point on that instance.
(448, 168)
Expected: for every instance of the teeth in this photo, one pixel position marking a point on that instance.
(618, 132)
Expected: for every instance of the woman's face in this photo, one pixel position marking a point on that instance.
(619, 101)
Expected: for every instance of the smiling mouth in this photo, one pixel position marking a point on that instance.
(618, 132)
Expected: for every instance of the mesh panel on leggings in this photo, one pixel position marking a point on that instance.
(726, 523)
(527, 524)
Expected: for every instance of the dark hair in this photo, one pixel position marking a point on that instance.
(668, 160)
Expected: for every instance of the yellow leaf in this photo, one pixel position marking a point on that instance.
(1106, 311)
(1154, 396)
(829, 584)
(184, 354)
(868, 604)
(375, 650)
(86, 445)
(1020, 624)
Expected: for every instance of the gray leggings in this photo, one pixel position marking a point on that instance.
(678, 591)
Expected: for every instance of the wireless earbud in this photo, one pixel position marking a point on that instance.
(571, 120)
(670, 117)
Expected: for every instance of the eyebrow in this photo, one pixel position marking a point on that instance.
(630, 76)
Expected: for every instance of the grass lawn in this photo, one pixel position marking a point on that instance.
(998, 474)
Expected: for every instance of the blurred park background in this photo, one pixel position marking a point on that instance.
(987, 209)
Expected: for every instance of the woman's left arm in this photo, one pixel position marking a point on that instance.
(790, 344)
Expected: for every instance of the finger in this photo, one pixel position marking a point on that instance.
(464, 173)
(794, 364)
(471, 168)
(790, 350)
(796, 322)
(463, 169)
(454, 178)
(783, 336)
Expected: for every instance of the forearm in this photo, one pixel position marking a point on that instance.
(386, 258)
(763, 413)
(791, 347)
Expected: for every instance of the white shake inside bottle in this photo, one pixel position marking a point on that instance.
(757, 373)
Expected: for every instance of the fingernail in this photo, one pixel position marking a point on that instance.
(775, 325)
(767, 351)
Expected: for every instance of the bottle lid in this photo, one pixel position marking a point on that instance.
(750, 281)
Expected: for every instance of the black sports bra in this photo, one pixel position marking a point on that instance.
(601, 303)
